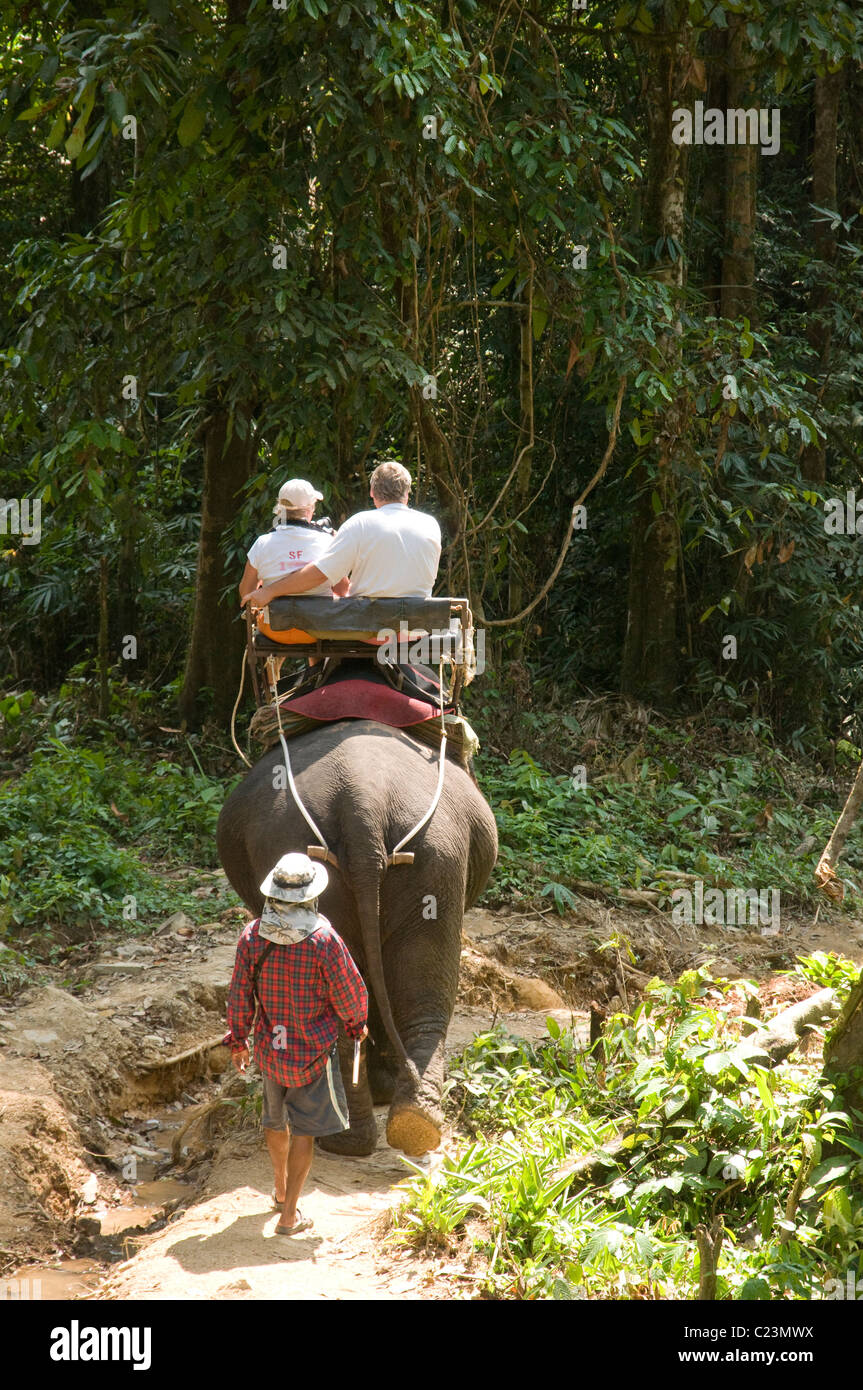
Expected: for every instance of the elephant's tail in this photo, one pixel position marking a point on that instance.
(367, 899)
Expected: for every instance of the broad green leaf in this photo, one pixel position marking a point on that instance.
(715, 1062)
(764, 1091)
(75, 142)
(831, 1170)
(191, 125)
(55, 134)
(115, 104)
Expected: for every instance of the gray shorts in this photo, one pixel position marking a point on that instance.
(318, 1109)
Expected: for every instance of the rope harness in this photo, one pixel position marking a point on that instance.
(322, 850)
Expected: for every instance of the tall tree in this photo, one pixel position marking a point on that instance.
(826, 97)
(737, 298)
(650, 652)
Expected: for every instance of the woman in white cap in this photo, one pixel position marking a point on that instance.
(295, 540)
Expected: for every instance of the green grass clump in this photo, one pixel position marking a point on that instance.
(737, 823)
(81, 830)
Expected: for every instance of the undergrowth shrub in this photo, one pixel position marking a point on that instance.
(81, 827)
(682, 1119)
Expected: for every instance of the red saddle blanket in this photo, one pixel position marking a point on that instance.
(358, 699)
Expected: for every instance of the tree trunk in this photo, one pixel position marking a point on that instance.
(524, 446)
(126, 610)
(828, 90)
(649, 667)
(650, 647)
(738, 262)
(90, 193)
(104, 655)
(709, 192)
(218, 637)
(844, 1047)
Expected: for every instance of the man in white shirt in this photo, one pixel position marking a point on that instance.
(388, 553)
(293, 543)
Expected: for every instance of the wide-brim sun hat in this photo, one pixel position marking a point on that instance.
(295, 879)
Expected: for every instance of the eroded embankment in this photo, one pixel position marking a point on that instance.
(89, 1107)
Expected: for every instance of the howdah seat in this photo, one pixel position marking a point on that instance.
(363, 628)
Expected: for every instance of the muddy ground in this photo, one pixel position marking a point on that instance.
(131, 1165)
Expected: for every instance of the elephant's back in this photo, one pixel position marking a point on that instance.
(350, 754)
(358, 776)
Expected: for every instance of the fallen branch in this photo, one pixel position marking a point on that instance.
(784, 1032)
(844, 1047)
(186, 1056)
(591, 890)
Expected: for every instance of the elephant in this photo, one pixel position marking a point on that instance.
(366, 785)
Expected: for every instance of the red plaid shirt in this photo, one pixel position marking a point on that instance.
(304, 990)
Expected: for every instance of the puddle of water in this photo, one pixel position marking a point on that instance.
(64, 1279)
(145, 1171)
(162, 1191)
(149, 1202)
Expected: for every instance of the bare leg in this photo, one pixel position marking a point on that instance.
(278, 1143)
(301, 1152)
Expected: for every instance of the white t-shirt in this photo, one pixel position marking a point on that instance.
(288, 548)
(388, 552)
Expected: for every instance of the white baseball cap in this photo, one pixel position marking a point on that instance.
(296, 492)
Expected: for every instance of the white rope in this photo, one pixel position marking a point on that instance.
(298, 800)
(291, 783)
(441, 769)
(234, 713)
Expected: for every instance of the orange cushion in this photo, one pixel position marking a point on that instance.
(288, 635)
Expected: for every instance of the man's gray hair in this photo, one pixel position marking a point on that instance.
(391, 482)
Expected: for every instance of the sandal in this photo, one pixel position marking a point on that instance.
(277, 1205)
(304, 1223)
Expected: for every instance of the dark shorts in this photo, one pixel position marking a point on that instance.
(318, 1109)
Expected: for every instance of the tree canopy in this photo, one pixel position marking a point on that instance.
(243, 241)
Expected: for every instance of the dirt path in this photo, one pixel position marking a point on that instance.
(225, 1247)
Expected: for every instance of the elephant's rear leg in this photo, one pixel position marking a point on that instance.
(415, 1120)
(422, 960)
(381, 1059)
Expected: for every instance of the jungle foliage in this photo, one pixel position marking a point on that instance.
(95, 810)
(239, 242)
(707, 1130)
